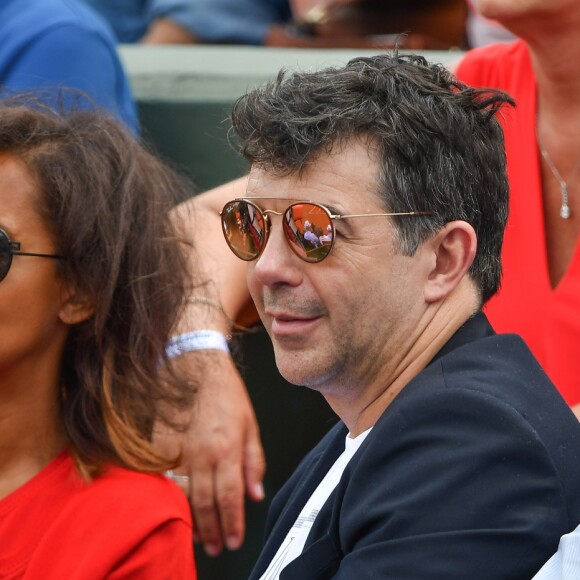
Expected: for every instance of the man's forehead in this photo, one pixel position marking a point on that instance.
(341, 177)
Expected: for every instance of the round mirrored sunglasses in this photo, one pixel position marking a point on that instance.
(308, 227)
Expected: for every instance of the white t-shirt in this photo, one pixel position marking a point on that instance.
(293, 544)
(565, 563)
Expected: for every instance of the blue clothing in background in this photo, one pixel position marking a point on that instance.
(129, 19)
(49, 45)
(233, 21)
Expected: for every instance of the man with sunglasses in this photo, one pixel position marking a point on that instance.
(455, 456)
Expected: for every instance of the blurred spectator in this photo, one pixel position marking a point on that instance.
(286, 22)
(48, 45)
(419, 24)
(481, 31)
(156, 21)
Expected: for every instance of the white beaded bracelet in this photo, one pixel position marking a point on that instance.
(196, 340)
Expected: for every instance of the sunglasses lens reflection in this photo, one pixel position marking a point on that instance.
(307, 227)
(244, 229)
(5, 255)
(309, 230)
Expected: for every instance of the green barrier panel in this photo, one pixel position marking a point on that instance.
(194, 137)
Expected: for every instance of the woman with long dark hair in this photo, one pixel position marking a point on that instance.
(92, 278)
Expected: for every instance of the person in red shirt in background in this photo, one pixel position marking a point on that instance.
(540, 295)
(92, 275)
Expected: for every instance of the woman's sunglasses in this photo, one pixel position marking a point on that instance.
(8, 248)
(308, 227)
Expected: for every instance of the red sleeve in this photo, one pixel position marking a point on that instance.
(165, 554)
(124, 525)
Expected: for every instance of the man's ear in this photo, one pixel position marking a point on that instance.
(454, 248)
(76, 307)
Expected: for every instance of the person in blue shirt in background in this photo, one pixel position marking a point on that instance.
(191, 21)
(52, 46)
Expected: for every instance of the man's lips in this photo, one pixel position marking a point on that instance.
(290, 323)
(288, 316)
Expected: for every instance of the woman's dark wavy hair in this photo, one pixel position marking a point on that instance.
(438, 143)
(107, 201)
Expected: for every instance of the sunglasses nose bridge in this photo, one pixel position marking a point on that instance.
(266, 212)
(277, 228)
(283, 229)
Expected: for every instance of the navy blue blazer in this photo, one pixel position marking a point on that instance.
(472, 472)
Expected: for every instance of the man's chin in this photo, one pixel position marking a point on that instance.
(299, 367)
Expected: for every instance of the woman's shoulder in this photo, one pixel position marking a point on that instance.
(111, 496)
(123, 512)
(148, 496)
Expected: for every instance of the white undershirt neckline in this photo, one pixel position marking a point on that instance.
(565, 563)
(293, 544)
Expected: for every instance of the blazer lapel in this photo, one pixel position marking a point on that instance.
(295, 493)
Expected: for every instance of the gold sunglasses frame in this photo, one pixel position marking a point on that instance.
(267, 223)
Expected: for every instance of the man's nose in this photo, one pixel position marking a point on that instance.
(277, 264)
